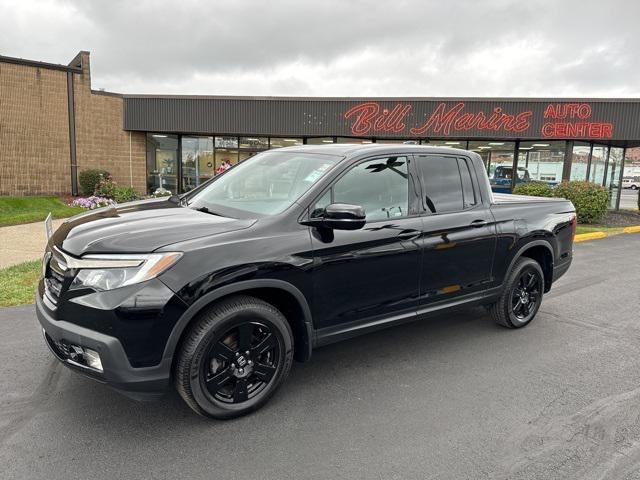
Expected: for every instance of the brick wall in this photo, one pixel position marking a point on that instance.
(101, 141)
(34, 132)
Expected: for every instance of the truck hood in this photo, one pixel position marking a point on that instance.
(139, 227)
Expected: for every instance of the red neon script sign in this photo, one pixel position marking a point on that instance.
(444, 120)
(370, 118)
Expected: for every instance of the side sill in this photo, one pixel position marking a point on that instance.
(328, 335)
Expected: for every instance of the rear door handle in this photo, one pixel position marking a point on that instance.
(479, 223)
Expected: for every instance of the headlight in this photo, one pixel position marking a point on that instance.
(106, 272)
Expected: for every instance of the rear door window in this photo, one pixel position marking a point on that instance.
(468, 195)
(442, 184)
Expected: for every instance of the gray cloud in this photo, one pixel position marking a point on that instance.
(418, 48)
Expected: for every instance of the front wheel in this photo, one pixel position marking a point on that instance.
(234, 358)
(522, 295)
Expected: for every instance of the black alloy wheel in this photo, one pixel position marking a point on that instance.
(241, 362)
(526, 294)
(234, 357)
(521, 296)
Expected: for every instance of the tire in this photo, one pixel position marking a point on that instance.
(518, 306)
(215, 376)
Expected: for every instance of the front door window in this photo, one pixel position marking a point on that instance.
(380, 186)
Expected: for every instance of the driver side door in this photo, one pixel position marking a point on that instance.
(365, 276)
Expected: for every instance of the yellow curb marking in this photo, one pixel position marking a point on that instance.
(583, 237)
(589, 236)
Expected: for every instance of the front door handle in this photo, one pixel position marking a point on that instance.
(479, 223)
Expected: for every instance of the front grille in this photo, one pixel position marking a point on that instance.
(54, 279)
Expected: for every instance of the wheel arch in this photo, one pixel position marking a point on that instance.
(542, 252)
(282, 295)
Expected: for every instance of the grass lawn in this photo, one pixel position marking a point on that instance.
(16, 210)
(598, 228)
(18, 283)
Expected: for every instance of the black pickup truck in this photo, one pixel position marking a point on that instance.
(217, 291)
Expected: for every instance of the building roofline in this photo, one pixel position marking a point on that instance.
(106, 92)
(383, 99)
(37, 64)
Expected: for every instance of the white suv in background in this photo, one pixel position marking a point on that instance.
(631, 182)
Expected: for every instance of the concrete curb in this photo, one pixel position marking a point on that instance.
(583, 237)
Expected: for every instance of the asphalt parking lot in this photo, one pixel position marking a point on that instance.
(452, 397)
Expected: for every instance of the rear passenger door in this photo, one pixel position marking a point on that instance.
(459, 233)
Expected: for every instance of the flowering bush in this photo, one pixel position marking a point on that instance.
(161, 192)
(106, 187)
(124, 194)
(92, 202)
(88, 179)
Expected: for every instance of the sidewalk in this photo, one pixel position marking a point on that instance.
(20, 243)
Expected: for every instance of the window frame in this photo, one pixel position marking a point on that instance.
(413, 183)
(474, 183)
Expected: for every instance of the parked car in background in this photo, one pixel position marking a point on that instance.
(502, 175)
(216, 292)
(631, 182)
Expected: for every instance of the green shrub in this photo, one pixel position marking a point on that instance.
(591, 200)
(124, 194)
(88, 180)
(106, 187)
(535, 189)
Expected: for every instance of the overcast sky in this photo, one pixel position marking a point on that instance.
(338, 47)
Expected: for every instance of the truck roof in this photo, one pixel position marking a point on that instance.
(351, 149)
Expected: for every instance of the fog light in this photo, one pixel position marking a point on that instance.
(92, 359)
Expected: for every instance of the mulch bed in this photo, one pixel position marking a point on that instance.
(621, 218)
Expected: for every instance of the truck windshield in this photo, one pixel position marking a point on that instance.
(266, 184)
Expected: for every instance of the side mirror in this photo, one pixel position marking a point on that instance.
(340, 216)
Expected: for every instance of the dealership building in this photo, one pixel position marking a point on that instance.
(53, 125)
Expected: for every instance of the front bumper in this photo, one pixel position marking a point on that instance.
(144, 383)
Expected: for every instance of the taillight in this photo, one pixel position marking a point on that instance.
(574, 225)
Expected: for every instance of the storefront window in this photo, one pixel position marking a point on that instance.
(254, 143)
(284, 142)
(319, 140)
(579, 161)
(612, 179)
(162, 162)
(406, 142)
(498, 158)
(197, 161)
(598, 161)
(353, 140)
(542, 161)
(225, 157)
(446, 143)
(226, 142)
(244, 155)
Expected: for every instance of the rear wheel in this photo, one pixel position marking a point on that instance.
(234, 358)
(522, 295)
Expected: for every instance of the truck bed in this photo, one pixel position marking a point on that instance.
(509, 198)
